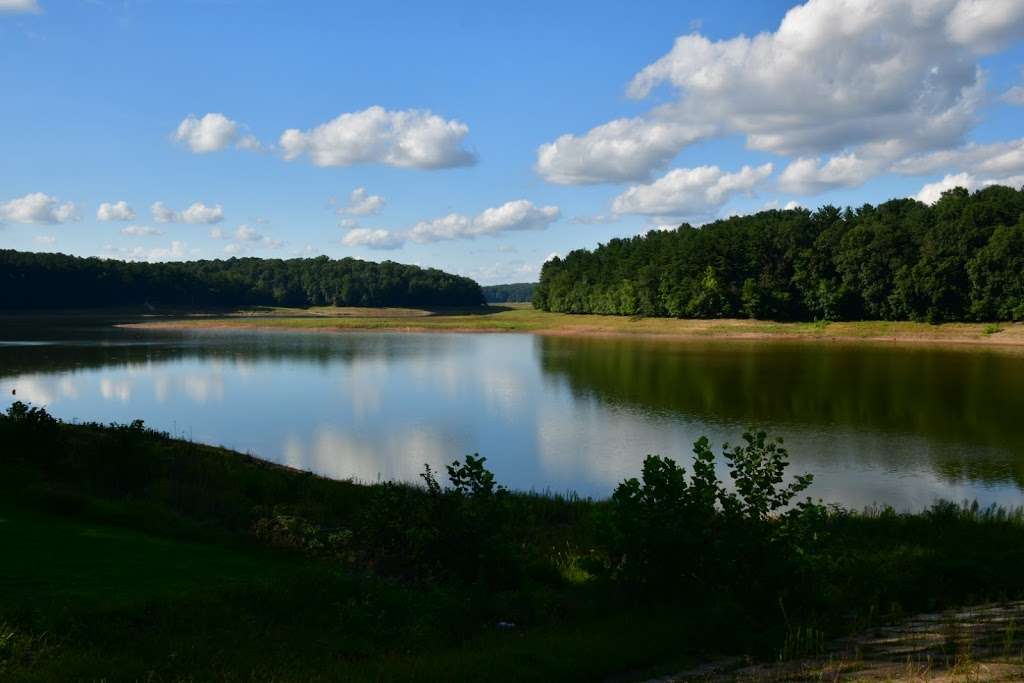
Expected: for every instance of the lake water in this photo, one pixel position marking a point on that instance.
(875, 424)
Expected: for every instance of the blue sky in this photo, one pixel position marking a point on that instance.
(482, 139)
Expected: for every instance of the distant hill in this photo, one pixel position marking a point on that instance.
(34, 280)
(515, 293)
(961, 258)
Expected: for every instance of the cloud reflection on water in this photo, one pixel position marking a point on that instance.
(553, 414)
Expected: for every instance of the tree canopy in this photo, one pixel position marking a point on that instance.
(37, 280)
(959, 259)
(514, 293)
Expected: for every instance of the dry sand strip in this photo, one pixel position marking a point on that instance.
(1004, 336)
(980, 644)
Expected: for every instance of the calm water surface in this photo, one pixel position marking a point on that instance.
(881, 424)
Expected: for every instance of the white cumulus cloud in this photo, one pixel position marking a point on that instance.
(932, 192)
(449, 227)
(250, 237)
(510, 216)
(362, 203)
(621, 150)
(690, 193)
(140, 231)
(1014, 95)
(163, 214)
(516, 215)
(38, 208)
(201, 213)
(808, 176)
(119, 211)
(211, 133)
(411, 138)
(247, 234)
(883, 79)
(177, 250)
(19, 7)
(998, 158)
(372, 238)
(986, 25)
(197, 213)
(250, 143)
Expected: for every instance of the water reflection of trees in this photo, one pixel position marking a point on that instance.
(959, 399)
(125, 348)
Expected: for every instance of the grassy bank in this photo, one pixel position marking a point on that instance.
(523, 318)
(131, 555)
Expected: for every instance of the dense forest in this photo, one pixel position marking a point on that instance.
(959, 259)
(515, 293)
(30, 280)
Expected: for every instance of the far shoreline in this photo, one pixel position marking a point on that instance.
(520, 319)
(523, 319)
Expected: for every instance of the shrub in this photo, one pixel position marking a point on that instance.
(23, 414)
(461, 532)
(685, 534)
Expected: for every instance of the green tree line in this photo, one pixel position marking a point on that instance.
(36, 280)
(514, 293)
(959, 259)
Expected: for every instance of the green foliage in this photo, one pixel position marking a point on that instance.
(39, 281)
(472, 479)
(515, 293)
(757, 471)
(465, 533)
(679, 533)
(960, 259)
(708, 299)
(31, 416)
(997, 287)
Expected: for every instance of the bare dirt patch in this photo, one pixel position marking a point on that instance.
(979, 644)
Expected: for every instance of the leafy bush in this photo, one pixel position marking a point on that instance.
(460, 532)
(679, 533)
(32, 416)
(471, 523)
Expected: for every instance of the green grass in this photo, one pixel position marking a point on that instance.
(91, 565)
(86, 600)
(129, 555)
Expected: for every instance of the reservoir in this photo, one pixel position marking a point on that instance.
(875, 424)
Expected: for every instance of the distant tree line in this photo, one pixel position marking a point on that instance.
(959, 259)
(515, 293)
(32, 280)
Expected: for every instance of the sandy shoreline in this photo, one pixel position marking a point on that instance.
(1010, 336)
